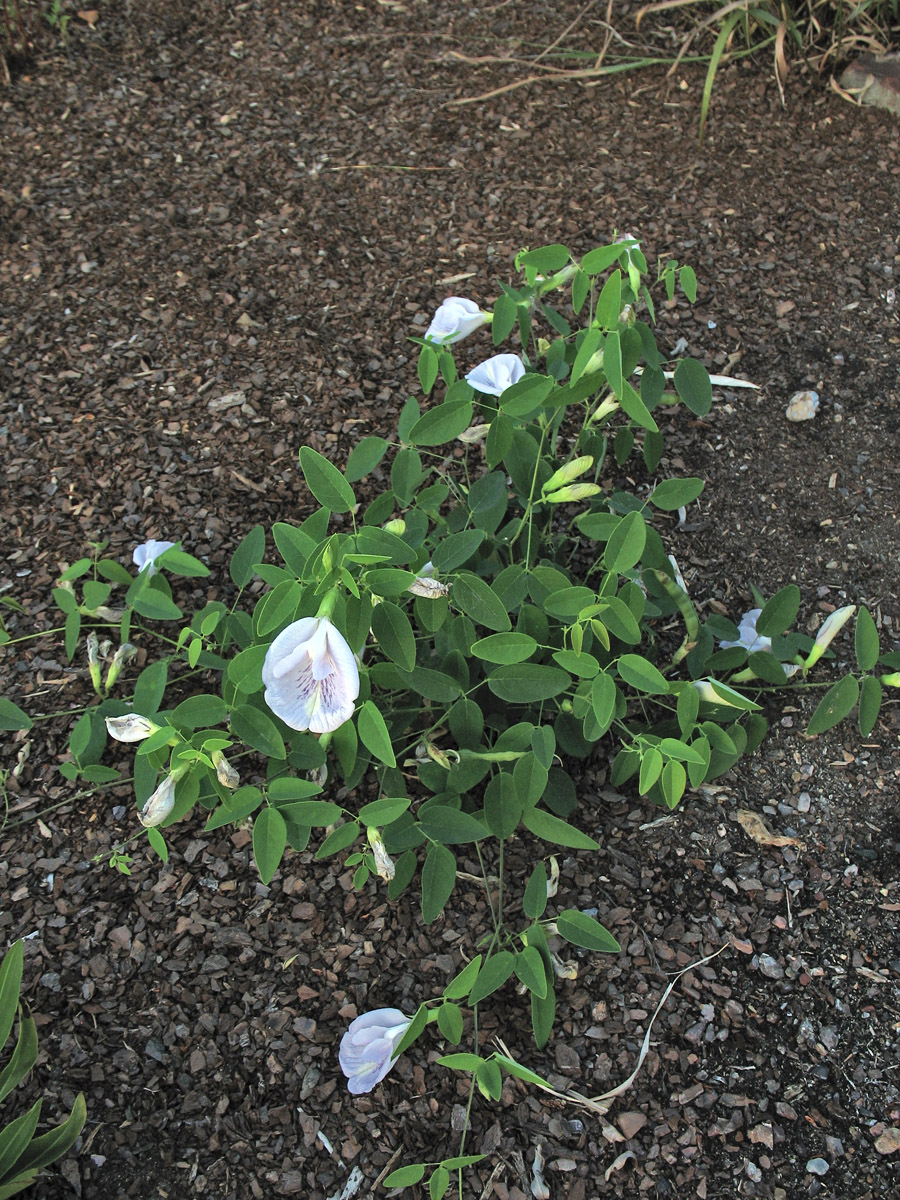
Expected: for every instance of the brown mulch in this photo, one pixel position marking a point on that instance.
(219, 226)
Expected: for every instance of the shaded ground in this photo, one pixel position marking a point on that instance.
(199, 201)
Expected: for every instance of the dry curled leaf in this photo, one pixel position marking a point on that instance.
(753, 825)
(90, 15)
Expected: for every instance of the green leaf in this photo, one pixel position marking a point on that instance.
(394, 634)
(269, 842)
(365, 457)
(155, 605)
(245, 669)
(526, 683)
(252, 726)
(249, 551)
(442, 424)
(866, 640)
(582, 930)
(642, 675)
(460, 986)
(504, 318)
(869, 704)
(559, 833)
(373, 734)
(450, 826)
(526, 396)
(315, 814)
(596, 261)
(530, 970)
(294, 546)
(502, 805)
(676, 493)
(405, 1176)
(54, 1144)
(505, 648)
(73, 629)
(438, 879)
(10, 984)
(198, 712)
(96, 593)
(535, 899)
(427, 368)
(457, 548)
(460, 1061)
(546, 259)
(609, 302)
(462, 1160)
(542, 1016)
(779, 613)
(693, 386)
(836, 704)
(612, 361)
(493, 974)
(688, 281)
(590, 344)
(450, 1022)
(382, 812)
(178, 562)
(158, 843)
(326, 482)
(634, 407)
(406, 474)
(673, 782)
(12, 718)
(626, 544)
(651, 769)
(473, 596)
(339, 839)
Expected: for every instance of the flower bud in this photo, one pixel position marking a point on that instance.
(225, 772)
(130, 728)
(93, 658)
(398, 526)
(713, 692)
(831, 627)
(568, 473)
(575, 491)
(455, 319)
(603, 410)
(125, 652)
(892, 680)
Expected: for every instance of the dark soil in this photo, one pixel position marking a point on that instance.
(203, 200)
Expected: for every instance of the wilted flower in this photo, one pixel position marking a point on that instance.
(495, 375)
(473, 435)
(367, 1048)
(384, 864)
(426, 586)
(831, 627)
(311, 676)
(225, 772)
(455, 319)
(146, 555)
(130, 728)
(748, 637)
(160, 804)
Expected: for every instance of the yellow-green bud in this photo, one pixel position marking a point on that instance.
(575, 491)
(568, 473)
(398, 526)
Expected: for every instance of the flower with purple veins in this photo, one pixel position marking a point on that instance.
(367, 1048)
(311, 677)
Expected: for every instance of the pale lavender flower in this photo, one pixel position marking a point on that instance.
(749, 638)
(311, 676)
(496, 374)
(455, 319)
(367, 1048)
(144, 557)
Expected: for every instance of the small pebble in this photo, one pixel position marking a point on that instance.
(770, 967)
(803, 802)
(817, 1166)
(802, 406)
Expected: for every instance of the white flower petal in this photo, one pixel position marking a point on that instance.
(455, 319)
(311, 677)
(495, 375)
(145, 556)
